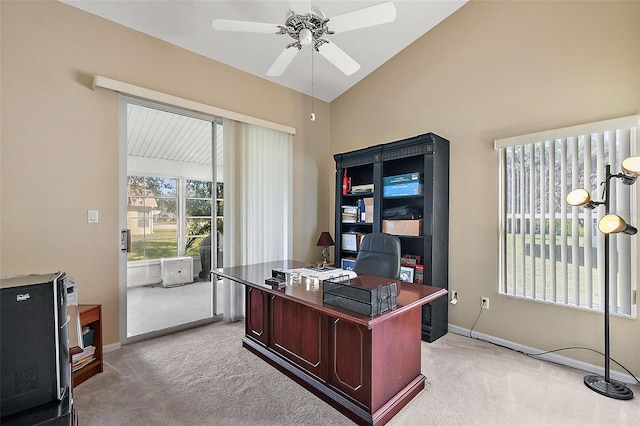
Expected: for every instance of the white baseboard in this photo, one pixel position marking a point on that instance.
(111, 348)
(558, 359)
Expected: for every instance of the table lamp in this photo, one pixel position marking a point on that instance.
(325, 241)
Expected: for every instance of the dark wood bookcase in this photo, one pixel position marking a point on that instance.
(427, 154)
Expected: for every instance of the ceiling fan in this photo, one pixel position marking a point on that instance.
(307, 25)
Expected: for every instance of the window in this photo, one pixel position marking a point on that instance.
(198, 214)
(154, 206)
(550, 251)
(152, 217)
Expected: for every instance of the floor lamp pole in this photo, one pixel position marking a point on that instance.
(604, 385)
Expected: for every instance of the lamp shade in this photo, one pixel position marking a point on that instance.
(614, 224)
(580, 197)
(631, 165)
(325, 240)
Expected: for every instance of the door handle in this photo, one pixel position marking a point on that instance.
(125, 240)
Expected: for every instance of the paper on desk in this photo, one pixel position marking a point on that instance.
(324, 273)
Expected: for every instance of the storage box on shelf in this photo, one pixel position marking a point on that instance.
(409, 181)
(410, 227)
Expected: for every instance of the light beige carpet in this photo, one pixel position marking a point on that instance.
(205, 377)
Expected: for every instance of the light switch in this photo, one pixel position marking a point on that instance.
(92, 216)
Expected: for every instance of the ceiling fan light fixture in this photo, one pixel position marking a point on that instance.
(305, 37)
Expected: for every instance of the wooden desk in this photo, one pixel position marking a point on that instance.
(368, 368)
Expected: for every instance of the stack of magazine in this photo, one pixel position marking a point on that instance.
(82, 358)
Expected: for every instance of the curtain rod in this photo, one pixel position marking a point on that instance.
(164, 98)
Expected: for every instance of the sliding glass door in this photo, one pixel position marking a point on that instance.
(172, 212)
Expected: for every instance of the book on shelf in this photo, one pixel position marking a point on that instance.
(410, 259)
(361, 189)
(349, 214)
(419, 276)
(82, 358)
(82, 363)
(362, 212)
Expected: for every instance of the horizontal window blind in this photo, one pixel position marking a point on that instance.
(550, 251)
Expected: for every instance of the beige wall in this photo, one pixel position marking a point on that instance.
(59, 140)
(493, 70)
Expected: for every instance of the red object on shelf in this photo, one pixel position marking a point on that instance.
(345, 183)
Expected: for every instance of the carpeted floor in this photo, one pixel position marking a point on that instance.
(205, 377)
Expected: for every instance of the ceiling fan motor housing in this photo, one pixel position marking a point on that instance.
(305, 28)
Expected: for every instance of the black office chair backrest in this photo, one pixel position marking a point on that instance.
(379, 254)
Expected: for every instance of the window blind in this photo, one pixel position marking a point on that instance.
(550, 251)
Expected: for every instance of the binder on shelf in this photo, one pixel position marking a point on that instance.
(361, 210)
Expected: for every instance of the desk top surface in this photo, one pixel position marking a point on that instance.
(409, 295)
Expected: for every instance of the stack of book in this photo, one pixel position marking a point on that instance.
(350, 214)
(82, 357)
(362, 189)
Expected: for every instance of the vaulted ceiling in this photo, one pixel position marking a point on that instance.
(188, 24)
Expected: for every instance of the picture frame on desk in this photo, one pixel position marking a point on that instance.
(348, 263)
(407, 273)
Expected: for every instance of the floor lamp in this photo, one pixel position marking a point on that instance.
(609, 224)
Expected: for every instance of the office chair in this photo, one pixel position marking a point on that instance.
(379, 254)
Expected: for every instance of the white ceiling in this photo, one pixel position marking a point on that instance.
(187, 24)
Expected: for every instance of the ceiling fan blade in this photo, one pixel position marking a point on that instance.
(337, 57)
(283, 61)
(362, 18)
(250, 27)
(300, 7)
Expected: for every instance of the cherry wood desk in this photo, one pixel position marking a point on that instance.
(368, 368)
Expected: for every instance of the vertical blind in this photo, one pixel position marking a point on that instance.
(551, 251)
(257, 197)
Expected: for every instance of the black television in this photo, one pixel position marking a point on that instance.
(34, 342)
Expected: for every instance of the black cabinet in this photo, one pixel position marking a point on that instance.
(364, 207)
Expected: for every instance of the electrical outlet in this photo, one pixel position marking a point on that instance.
(485, 302)
(454, 297)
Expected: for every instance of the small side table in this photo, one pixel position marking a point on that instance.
(90, 316)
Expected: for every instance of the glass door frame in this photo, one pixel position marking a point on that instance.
(122, 219)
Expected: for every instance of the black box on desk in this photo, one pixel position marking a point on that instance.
(365, 295)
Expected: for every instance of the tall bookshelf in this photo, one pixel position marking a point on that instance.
(427, 154)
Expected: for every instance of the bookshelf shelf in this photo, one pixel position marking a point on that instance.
(90, 316)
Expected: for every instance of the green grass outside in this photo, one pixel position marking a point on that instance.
(524, 282)
(161, 244)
